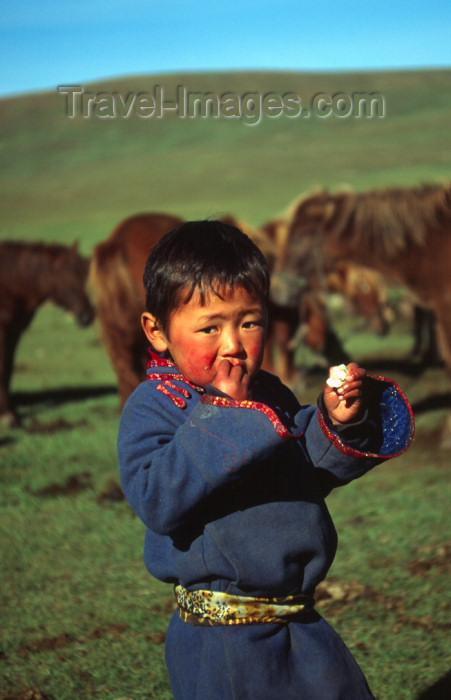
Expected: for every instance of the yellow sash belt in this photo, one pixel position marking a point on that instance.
(213, 608)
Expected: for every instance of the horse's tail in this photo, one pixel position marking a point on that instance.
(119, 306)
(117, 297)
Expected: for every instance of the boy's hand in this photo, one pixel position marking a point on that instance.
(232, 380)
(344, 403)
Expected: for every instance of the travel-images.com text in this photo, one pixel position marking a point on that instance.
(250, 107)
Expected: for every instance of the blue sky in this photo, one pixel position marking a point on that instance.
(45, 43)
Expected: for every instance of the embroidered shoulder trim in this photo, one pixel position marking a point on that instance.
(158, 361)
(173, 377)
(179, 402)
(254, 406)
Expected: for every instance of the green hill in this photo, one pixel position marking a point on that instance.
(66, 177)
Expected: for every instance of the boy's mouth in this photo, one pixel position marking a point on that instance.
(236, 363)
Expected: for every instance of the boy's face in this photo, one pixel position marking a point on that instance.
(200, 336)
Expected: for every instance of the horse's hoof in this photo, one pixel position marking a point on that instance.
(445, 442)
(10, 420)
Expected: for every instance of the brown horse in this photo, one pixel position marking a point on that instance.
(30, 274)
(116, 279)
(405, 233)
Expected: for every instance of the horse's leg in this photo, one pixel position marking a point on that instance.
(320, 336)
(4, 405)
(383, 319)
(334, 351)
(283, 363)
(278, 359)
(129, 362)
(443, 329)
(279, 355)
(268, 356)
(9, 339)
(429, 350)
(418, 330)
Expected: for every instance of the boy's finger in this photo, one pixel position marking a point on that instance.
(224, 367)
(348, 387)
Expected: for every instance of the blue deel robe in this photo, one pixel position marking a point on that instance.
(232, 497)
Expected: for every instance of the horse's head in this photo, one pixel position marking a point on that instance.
(68, 289)
(308, 247)
(296, 260)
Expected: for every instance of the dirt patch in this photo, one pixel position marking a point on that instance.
(167, 607)
(47, 644)
(330, 592)
(337, 595)
(53, 426)
(156, 637)
(115, 629)
(29, 694)
(438, 563)
(74, 484)
(112, 491)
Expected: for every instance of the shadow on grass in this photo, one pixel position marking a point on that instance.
(441, 690)
(4, 441)
(432, 403)
(409, 368)
(57, 397)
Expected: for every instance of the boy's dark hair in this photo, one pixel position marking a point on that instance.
(209, 256)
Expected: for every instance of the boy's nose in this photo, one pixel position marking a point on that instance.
(231, 344)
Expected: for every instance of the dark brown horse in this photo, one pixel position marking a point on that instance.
(405, 233)
(30, 274)
(116, 278)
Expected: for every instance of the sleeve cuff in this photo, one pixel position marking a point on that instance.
(364, 435)
(387, 429)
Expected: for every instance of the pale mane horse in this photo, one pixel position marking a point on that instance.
(405, 233)
(300, 303)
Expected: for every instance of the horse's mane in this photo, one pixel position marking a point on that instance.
(113, 287)
(30, 260)
(257, 236)
(392, 220)
(384, 220)
(13, 252)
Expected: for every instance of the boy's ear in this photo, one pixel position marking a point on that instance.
(153, 332)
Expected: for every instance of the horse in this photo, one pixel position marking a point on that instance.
(300, 309)
(115, 278)
(402, 232)
(30, 274)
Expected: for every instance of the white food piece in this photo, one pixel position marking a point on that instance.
(337, 376)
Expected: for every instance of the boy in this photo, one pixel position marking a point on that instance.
(229, 474)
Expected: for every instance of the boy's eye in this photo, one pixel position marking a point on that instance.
(252, 324)
(208, 330)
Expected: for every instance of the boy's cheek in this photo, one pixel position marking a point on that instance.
(205, 362)
(196, 363)
(256, 350)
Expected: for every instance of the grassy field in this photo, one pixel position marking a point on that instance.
(80, 616)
